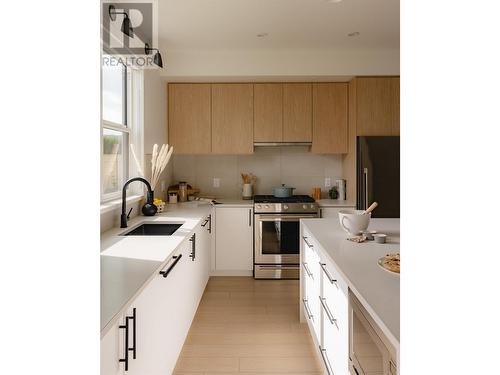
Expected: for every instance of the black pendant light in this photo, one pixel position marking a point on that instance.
(127, 28)
(157, 57)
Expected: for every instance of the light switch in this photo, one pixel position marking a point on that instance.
(216, 182)
(163, 186)
(328, 182)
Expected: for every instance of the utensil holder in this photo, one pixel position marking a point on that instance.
(247, 191)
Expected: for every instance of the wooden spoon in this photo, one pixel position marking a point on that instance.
(371, 208)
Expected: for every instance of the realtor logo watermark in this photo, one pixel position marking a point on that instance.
(126, 28)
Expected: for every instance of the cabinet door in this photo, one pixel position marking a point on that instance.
(335, 319)
(268, 112)
(189, 129)
(232, 118)
(330, 116)
(297, 112)
(164, 312)
(377, 105)
(112, 349)
(234, 239)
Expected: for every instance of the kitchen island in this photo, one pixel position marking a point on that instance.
(354, 266)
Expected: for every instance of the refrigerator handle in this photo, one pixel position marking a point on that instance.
(365, 173)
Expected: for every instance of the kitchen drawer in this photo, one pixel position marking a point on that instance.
(336, 335)
(334, 287)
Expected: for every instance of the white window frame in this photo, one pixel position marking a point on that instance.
(132, 131)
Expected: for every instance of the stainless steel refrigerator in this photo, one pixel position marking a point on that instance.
(378, 167)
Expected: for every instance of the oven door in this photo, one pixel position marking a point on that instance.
(277, 238)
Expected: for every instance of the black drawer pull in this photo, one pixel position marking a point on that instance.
(125, 327)
(210, 223)
(177, 258)
(330, 278)
(307, 243)
(309, 273)
(134, 341)
(205, 223)
(326, 361)
(327, 311)
(306, 305)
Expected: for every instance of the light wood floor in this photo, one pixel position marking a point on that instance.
(247, 326)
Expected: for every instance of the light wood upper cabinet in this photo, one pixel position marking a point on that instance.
(232, 118)
(297, 112)
(330, 116)
(189, 118)
(268, 112)
(377, 105)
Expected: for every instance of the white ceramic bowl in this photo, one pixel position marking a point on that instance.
(353, 221)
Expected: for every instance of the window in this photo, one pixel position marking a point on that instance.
(121, 127)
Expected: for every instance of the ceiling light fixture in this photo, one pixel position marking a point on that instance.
(333, 1)
(355, 33)
(127, 28)
(157, 57)
(262, 35)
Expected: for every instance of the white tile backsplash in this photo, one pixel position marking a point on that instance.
(294, 166)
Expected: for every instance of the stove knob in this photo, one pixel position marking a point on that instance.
(304, 206)
(258, 206)
(312, 206)
(285, 207)
(266, 206)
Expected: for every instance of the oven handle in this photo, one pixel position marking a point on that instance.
(284, 217)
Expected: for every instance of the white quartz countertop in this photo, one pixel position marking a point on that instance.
(225, 202)
(376, 288)
(128, 263)
(335, 203)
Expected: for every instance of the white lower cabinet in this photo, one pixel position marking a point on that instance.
(112, 349)
(160, 317)
(233, 241)
(325, 306)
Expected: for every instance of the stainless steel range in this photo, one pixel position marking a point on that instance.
(276, 236)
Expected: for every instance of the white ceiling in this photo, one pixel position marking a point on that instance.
(290, 24)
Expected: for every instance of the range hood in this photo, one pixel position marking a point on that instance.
(279, 144)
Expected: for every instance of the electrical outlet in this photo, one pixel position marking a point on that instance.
(328, 182)
(216, 182)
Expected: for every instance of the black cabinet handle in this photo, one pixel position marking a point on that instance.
(250, 217)
(125, 327)
(355, 370)
(193, 247)
(134, 341)
(324, 356)
(307, 243)
(210, 223)
(204, 223)
(330, 278)
(306, 305)
(309, 273)
(327, 311)
(177, 258)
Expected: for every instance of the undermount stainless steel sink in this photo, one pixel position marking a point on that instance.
(150, 229)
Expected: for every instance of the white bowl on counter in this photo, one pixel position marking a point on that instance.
(354, 222)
